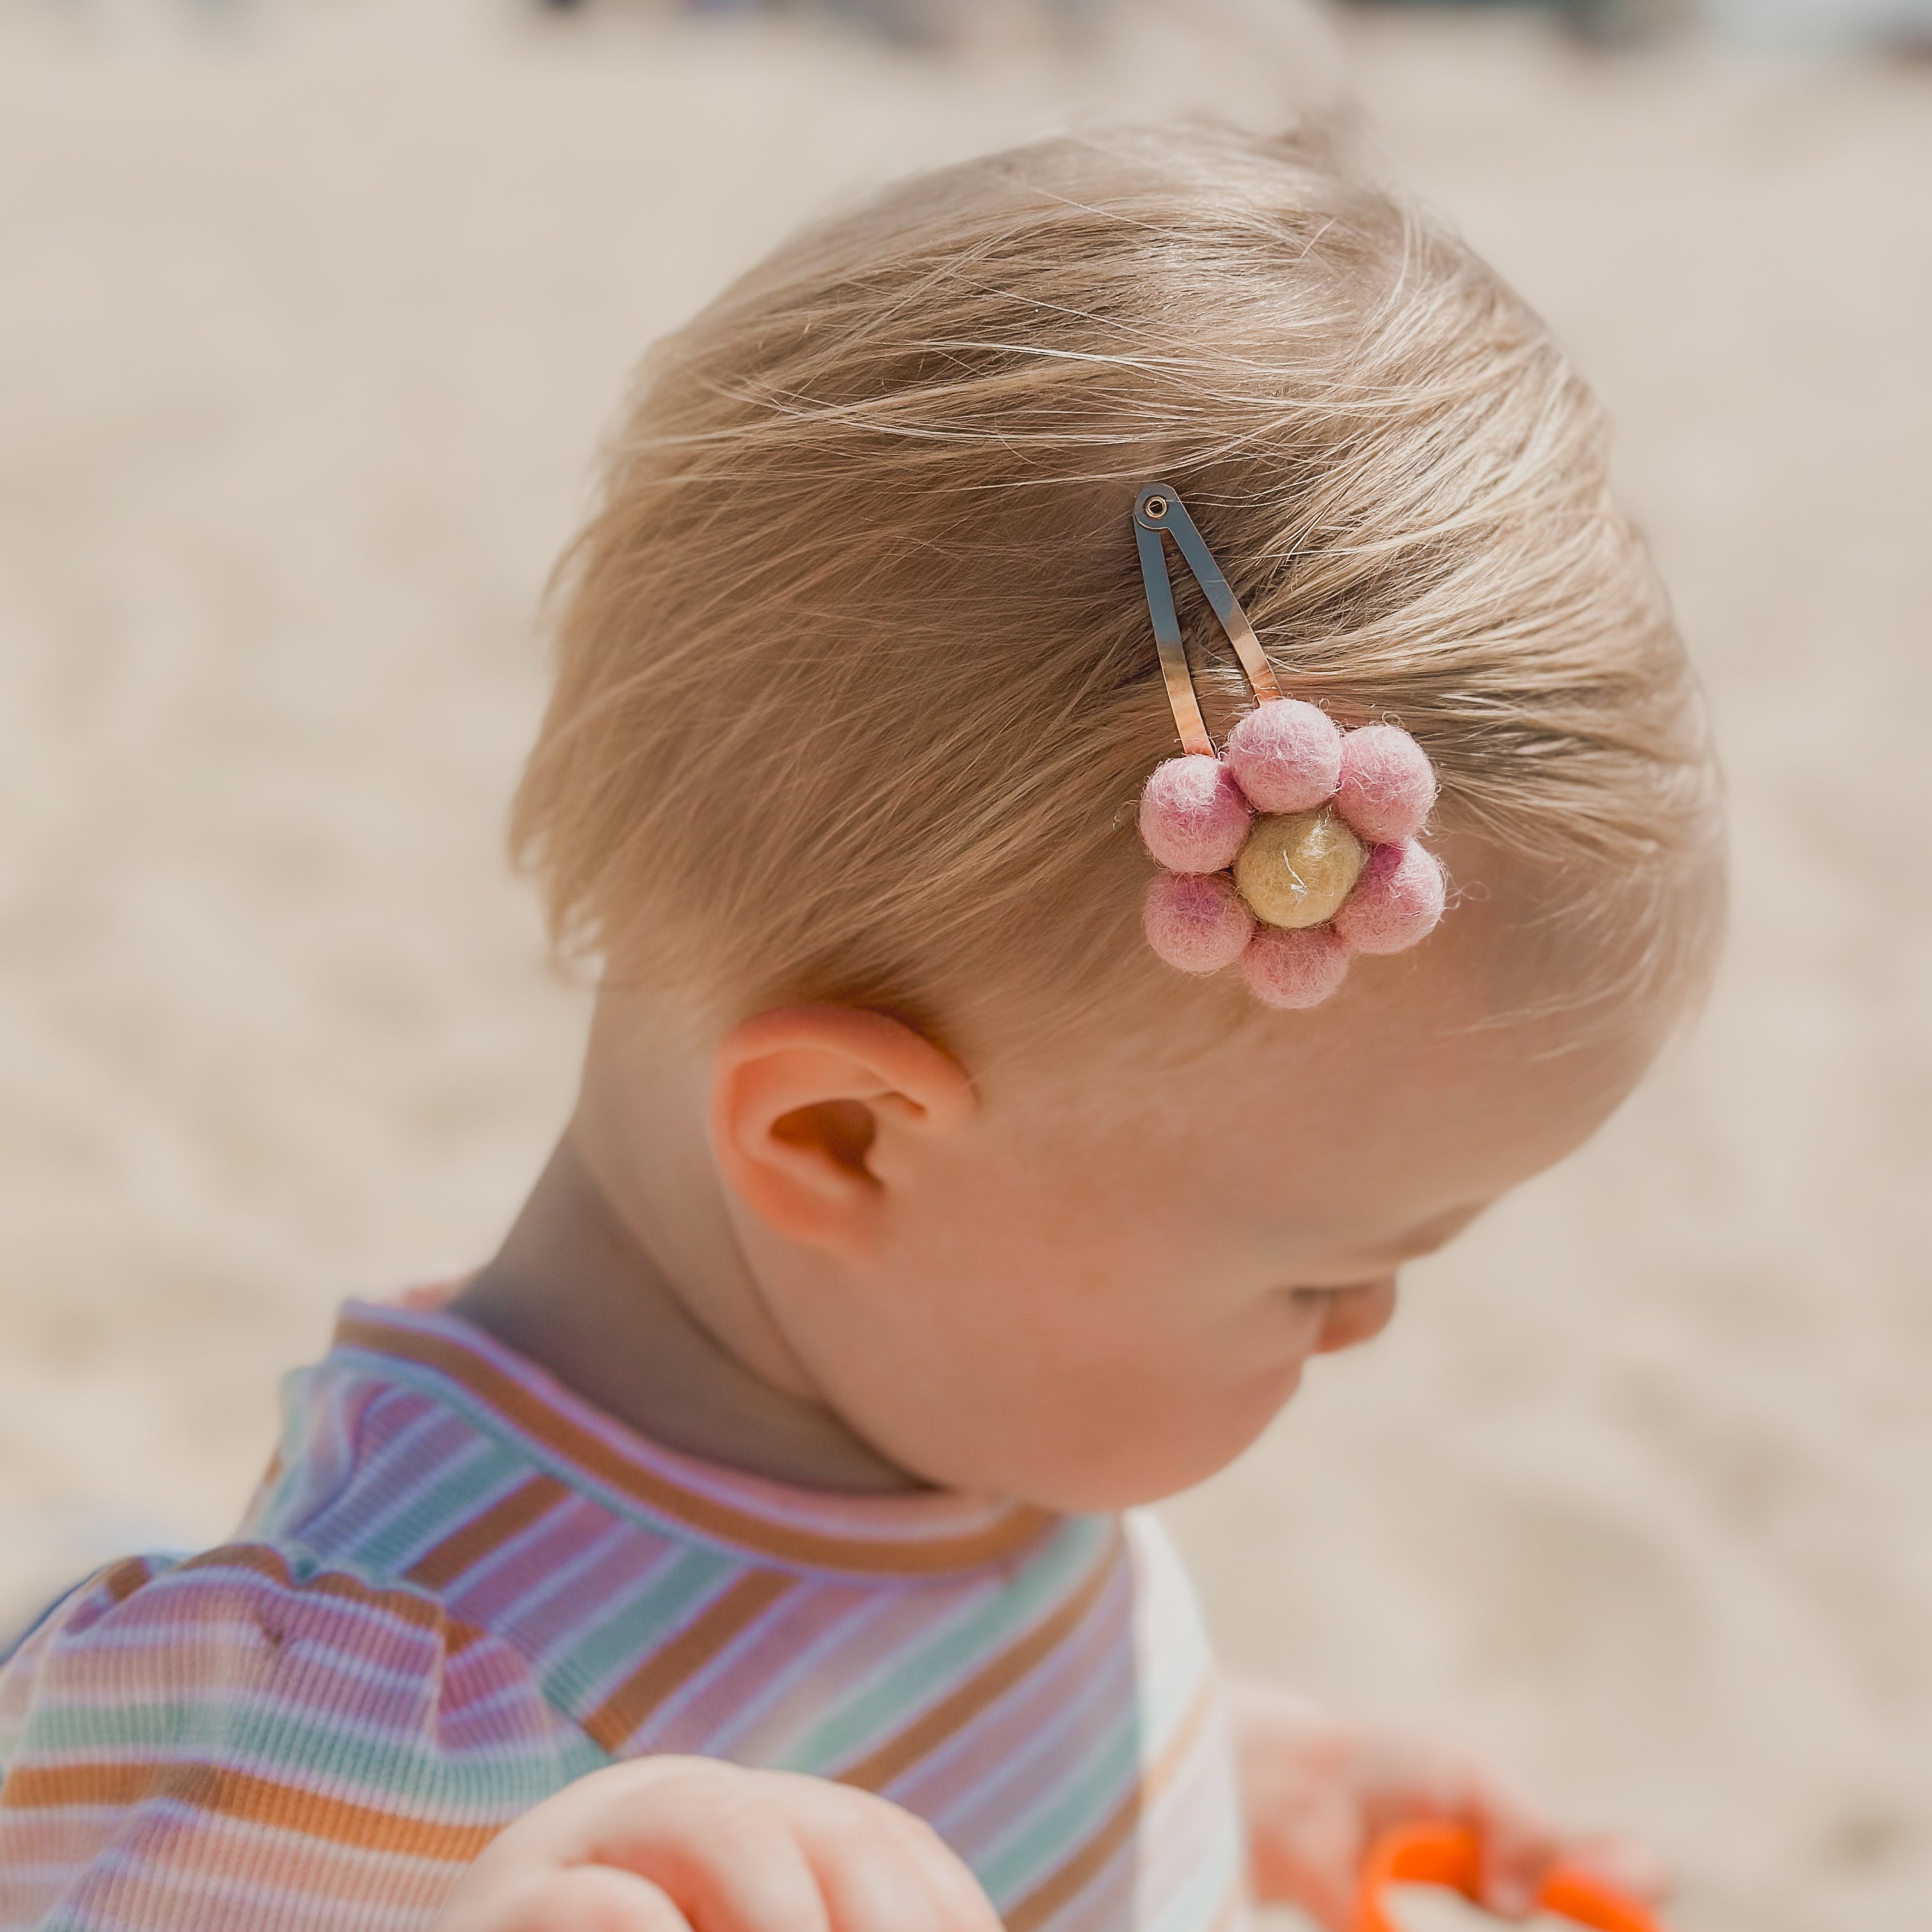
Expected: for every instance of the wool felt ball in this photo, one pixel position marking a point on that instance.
(1196, 921)
(1287, 755)
(1295, 868)
(1193, 818)
(1387, 784)
(1295, 969)
(1397, 901)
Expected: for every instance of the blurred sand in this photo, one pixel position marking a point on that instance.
(311, 324)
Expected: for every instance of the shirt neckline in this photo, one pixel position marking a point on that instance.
(928, 1533)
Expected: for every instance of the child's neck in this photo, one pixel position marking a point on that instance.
(575, 1289)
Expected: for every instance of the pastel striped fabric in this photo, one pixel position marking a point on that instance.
(460, 1588)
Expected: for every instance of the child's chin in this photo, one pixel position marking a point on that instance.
(1153, 1462)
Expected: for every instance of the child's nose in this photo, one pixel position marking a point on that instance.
(1356, 1315)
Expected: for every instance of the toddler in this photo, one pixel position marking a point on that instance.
(752, 1545)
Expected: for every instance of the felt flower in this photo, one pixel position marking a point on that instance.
(1292, 851)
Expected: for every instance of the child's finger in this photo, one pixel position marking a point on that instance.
(1310, 1856)
(963, 1904)
(873, 1886)
(711, 1838)
(881, 1870)
(722, 1843)
(1412, 1780)
(1326, 1892)
(1520, 1841)
(588, 1898)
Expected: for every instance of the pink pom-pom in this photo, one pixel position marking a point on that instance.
(1287, 755)
(1397, 901)
(1193, 818)
(1387, 784)
(1196, 921)
(1296, 968)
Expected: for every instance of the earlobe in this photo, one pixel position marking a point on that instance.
(813, 1109)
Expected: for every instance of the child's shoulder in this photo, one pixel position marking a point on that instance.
(252, 1652)
(181, 1732)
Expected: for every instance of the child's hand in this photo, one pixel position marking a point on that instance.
(1317, 1791)
(668, 1843)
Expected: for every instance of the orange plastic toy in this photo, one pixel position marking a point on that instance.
(1448, 1855)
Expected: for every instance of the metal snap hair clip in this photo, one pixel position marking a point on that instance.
(1159, 510)
(1296, 847)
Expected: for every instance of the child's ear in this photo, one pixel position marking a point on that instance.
(810, 1106)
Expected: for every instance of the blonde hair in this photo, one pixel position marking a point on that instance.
(855, 689)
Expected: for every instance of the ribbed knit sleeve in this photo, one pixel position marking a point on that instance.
(252, 1738)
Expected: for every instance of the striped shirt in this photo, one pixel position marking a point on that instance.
(459, 1587)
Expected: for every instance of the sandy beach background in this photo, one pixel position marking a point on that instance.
(312, 317)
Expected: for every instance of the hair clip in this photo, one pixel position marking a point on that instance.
(1295, 847)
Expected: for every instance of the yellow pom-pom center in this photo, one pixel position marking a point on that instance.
(1298, 867)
